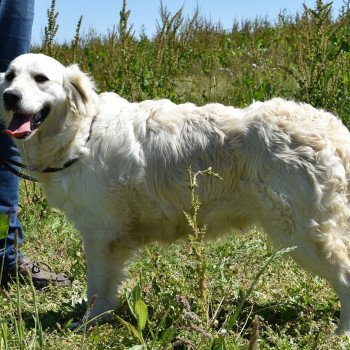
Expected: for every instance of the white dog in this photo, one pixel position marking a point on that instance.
(119, 170)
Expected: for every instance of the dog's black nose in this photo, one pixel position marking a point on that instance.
(11, 98)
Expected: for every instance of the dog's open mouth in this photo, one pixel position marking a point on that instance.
(22, 125)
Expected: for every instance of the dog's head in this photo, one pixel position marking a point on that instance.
(38, 94)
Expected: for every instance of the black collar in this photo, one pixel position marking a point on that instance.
(9, 163)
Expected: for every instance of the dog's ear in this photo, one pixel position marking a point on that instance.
(81, 92)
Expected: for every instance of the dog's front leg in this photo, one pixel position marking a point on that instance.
(105, 271)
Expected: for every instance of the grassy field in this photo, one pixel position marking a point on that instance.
(295, 309)
(194, 294)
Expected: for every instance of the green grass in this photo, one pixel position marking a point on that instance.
(296, 310)
(185, 296)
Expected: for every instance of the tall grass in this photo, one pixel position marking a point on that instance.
(303, 57)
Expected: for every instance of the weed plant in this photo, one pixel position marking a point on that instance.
(305, 57)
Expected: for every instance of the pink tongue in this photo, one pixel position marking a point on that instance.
(19, 126)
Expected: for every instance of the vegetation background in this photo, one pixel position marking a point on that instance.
(229, 294)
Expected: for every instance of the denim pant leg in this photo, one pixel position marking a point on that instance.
(16, 20)
(9, 203)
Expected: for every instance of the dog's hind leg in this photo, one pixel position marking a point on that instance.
(333, 264)
(321, 237)
(343, 292)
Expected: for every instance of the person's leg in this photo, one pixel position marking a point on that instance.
(16, 19)
(9, 203)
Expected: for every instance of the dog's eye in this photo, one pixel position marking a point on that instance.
(41, 78)
(10, 76)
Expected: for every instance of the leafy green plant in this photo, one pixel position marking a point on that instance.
(76, 40)
(319, 57)
(50, 30)
(139, 310)
(197, 235)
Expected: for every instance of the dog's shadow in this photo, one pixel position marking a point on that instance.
(52, 320)
(278, 314)
(275, 314)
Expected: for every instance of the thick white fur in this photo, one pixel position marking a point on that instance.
(285, 166)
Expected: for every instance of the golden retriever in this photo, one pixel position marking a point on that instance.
(119, 170)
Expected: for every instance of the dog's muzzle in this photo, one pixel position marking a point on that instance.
(11, 99)
(23, 123)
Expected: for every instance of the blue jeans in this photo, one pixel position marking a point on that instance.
(16, 20)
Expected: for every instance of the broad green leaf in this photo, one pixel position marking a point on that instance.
(167, 335)
(130, 302)
(142, 313)
(136, 293)
(131, 329)
(132, 299)
(4, 225)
